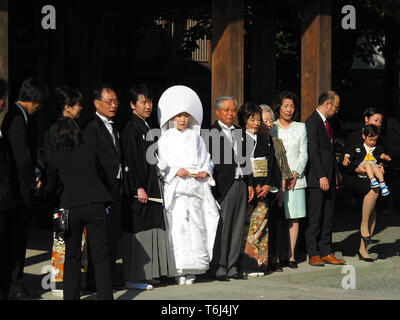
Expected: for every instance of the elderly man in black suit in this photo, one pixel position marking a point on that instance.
(102, 133)
(32, 95)
(230, 191)
(322, 178)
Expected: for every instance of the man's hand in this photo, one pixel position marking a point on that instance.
(251, 193)
(346, 161)
(324, 183)
(183, 173)
(38, 183)
(142, 195)
(385, 157)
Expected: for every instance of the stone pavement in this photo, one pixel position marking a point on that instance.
(304, 283)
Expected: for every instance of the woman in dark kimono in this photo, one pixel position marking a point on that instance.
(266, 179)
(146, 253)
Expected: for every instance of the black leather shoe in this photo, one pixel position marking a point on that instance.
(365, 259)
(221, 278)
(276, 267)
(21, 295)
(238, 276)
(292, 264)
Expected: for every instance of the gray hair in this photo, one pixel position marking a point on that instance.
(221, 99)
(265, 107)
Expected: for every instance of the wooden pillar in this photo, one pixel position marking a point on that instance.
(316, 41)
(4, 39)
(263, 61)
(227, 51)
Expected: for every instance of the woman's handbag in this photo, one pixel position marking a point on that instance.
(61, 221)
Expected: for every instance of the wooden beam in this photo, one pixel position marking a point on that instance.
(316, 58)
(227, 51)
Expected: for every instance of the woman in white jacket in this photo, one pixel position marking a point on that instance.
(294, 137)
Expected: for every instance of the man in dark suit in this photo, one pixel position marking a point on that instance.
(31, 96)
(323, 177)
(7, 200)
(230, 191)
(102, 133)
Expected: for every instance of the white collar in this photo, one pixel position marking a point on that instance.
(251, 135)
(224, 126)
(23, 112)
(105, 120)
(321, 115)
(369, 149)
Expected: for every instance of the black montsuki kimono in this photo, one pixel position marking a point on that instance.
(138, 173)
(255, 252)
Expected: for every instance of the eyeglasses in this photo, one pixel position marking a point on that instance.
(336, 106)
(228, 110)
(111, 102)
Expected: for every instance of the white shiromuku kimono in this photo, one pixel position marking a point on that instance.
(192, 212)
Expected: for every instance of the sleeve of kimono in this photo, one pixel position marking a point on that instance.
(135, 164)
(167, 168)
(303, 154)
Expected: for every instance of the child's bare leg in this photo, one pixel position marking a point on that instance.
(378, 173)
(367, 167)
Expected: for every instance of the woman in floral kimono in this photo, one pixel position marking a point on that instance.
(266, 179)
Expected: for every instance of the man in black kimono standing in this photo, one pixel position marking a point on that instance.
(146, 252)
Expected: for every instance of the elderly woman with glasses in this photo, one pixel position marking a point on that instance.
(279, 239)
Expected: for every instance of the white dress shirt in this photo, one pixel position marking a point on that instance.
(228, 131)
(108, 124)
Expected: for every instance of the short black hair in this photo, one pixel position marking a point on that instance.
(327, 96)
(276, 106)
(96, 94)
(64, 95)
(370, 112)
(139, 89)
(246, 111)
(371, 130)
(33, 90)
(66, 134)
(4, 88)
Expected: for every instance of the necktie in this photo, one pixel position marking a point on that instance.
(115, 134)
(328, 129)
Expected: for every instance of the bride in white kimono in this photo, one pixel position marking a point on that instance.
(191, 210)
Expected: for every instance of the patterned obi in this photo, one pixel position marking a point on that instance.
(260, 167)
